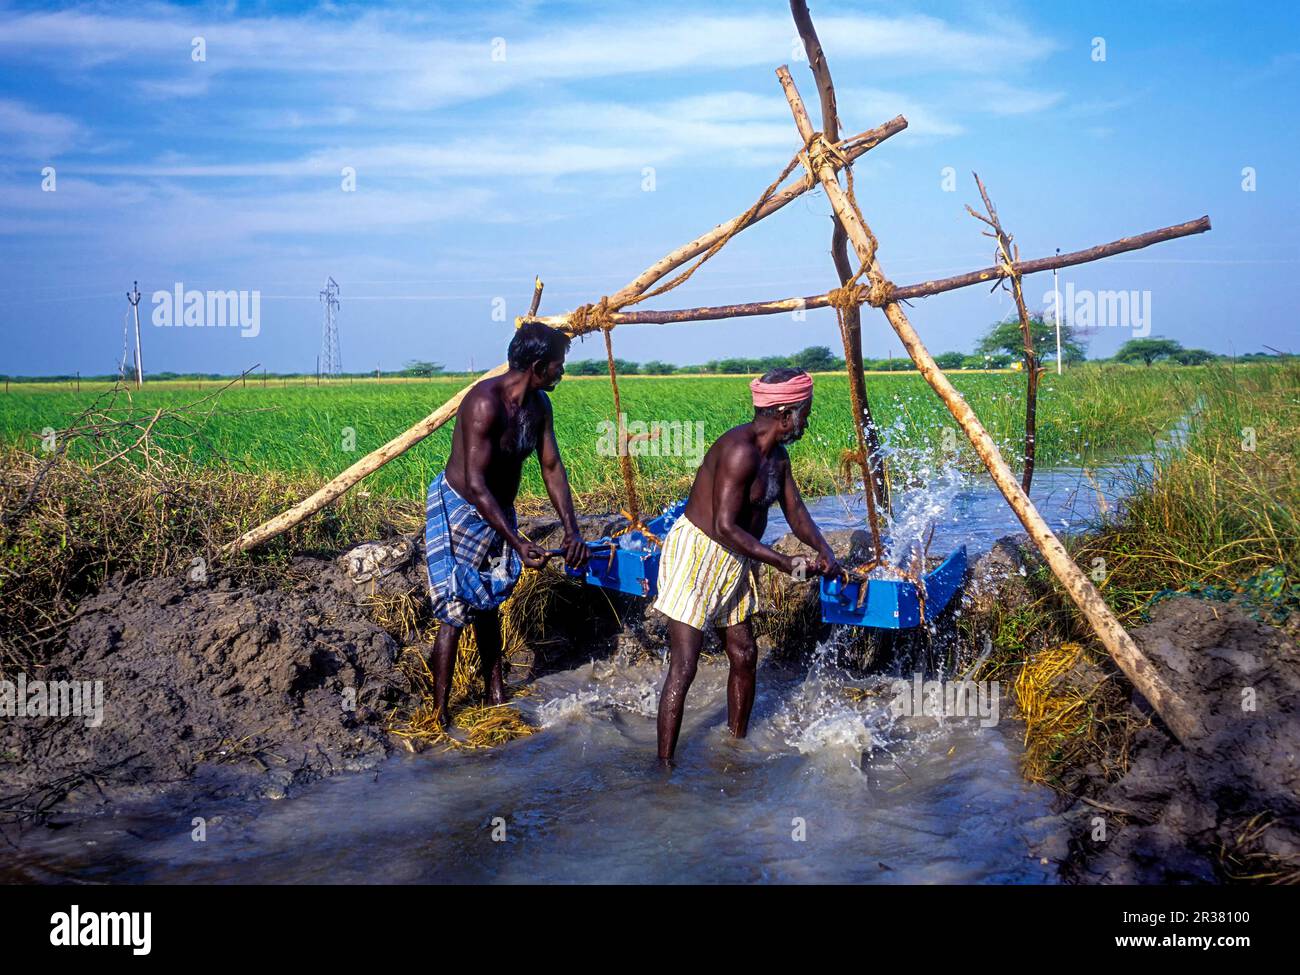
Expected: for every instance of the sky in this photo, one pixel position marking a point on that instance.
(433, 158)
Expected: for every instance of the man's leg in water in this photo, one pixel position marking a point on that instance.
(684, 644)
(487, 634)
(442, 661)
(742, 653)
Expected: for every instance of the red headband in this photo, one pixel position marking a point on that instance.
(794, 390)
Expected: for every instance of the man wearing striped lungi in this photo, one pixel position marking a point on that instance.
(473, 548)
(708, 556)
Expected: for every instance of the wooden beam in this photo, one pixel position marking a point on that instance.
(339, 485)
(923, 289)
(926, 288)
(1177, 714)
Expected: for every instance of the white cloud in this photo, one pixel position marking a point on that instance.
(403, 61)
(30, 133)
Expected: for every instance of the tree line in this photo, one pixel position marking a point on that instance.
(999, 348)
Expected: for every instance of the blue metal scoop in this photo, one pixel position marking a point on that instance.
(630, 571)
(892, 604)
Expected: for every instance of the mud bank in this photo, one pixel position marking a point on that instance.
(1148, 810)
(1228, 809)
(213, 688)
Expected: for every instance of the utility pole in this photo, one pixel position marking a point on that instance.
(1056, 295)
(133, 296)
(331, 359)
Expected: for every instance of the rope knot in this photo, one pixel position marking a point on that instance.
(880, 293)
(591, 318)
(820, 149)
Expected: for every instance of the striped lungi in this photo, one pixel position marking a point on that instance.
(470, 566)
(700, 582)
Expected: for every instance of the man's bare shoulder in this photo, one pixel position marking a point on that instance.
(482, 399)
(736, 446)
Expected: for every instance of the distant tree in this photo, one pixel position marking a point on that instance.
(1005, 336)
(418, 367)
(1193, 357)
(656, 368)
(1147, 351)
(770, 362)
(732, 366)
(950, 360)
(992, 360)
(815, 358)
(600, 367)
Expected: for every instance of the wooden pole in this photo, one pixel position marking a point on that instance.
(1179, 717)
(851, 149)
(1032, 370)
(1056, 298)
(870, 458)
(922, 289)
(873, 462)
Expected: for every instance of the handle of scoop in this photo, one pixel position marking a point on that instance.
(593, 546)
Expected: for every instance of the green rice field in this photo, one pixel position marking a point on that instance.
(315, 431)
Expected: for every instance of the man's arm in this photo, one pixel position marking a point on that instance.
(557, 486)
(804, 528)
(731, 482)
(477, 415)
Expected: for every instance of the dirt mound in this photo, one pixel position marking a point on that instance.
(242, 692)
(1227, 809)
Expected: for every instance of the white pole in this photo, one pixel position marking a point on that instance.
(134, 298)
(1056, 295)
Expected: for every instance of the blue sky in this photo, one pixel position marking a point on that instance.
(475, 172)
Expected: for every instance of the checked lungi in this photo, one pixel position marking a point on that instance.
(470, 566)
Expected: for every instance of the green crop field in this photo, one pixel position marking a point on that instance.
(316, 431)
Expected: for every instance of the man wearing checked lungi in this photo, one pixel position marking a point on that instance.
(473, 549)
(705, 570)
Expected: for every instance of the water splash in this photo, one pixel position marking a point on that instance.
(824, 716)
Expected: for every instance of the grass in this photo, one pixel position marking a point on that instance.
(1219, 512)
(312, 433)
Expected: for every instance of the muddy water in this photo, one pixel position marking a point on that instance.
(826, 788)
